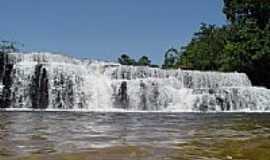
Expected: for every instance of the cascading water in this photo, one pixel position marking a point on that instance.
(56, 82)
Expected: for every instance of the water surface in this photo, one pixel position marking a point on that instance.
(125, 136)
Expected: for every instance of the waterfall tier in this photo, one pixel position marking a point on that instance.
(52, 81)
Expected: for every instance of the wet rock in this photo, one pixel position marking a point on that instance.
(143, 96)
(121, 99)
(7, 80)
(39, 90)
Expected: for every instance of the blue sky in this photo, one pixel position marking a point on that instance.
(103, 29)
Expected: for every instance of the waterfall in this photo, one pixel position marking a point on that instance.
(57, 82)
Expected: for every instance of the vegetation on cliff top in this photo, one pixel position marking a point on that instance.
(243, 45)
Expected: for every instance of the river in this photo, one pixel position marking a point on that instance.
(133, 135)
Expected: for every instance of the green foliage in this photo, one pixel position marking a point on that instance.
(154, 66)
(243, 45)
(205, 50)
(170, 58)
(248, 11)
(126, 60)
(144, 61)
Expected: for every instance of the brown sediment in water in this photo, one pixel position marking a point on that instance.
(110, 153)
(256, 148)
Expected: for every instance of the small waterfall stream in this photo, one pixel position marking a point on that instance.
(57, 82)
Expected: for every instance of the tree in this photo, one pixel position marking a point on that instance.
(242, 45)
(248, 11)
(126, 60)
(170, 58)
(248, 51)
(205, 50)
(249, 45)
(144, 61)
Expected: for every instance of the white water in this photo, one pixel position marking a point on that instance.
(88, 85)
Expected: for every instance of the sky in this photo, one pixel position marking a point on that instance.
(104, 29)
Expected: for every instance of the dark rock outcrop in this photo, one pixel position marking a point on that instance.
(121, 99)
(63, 89)
(39, 88)
(6, 71)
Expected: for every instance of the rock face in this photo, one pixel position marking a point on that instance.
(6, 71)
(51, 81)
(39, 88)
